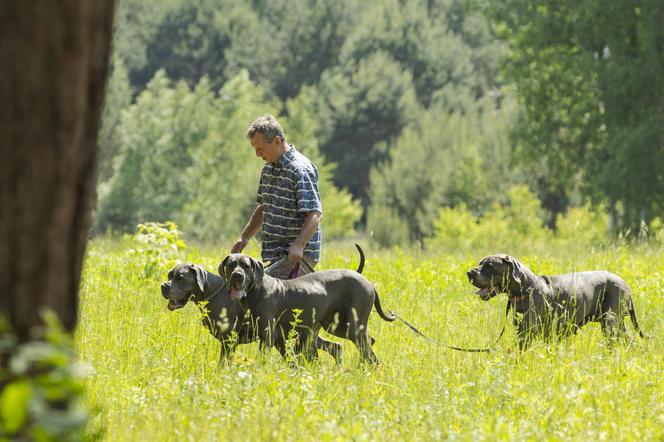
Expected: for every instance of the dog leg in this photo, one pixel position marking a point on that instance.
(524, 334)
(363, 344)
(611, 326)
(333, 348)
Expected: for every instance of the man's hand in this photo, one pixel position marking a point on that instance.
(253, 225)
(295, 253)
(239, 245)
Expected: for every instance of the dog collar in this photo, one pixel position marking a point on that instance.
(528, 290)
(213, 294)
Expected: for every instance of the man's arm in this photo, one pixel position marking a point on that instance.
(253, 225)
(311, 222)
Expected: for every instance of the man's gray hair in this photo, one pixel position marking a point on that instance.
(266, 125)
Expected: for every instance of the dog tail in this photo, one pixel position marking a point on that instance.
(632, 316)
(361, 266)
(379, 309)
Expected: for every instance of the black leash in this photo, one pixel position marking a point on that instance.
(470, 350)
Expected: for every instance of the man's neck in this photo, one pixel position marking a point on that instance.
(287, 147)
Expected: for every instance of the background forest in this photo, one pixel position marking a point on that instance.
(422, 116)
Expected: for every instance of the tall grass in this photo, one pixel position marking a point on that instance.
(157, 374)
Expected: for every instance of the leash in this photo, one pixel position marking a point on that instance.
(469, 350)
(294, 273)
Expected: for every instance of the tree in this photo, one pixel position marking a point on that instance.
(53, 65)
(136, 23)
(361, 106)
(443, 159)
(118, 98)
(447, 47)
(589, 75)
(190, 43)
(287, 44)
(158, 135)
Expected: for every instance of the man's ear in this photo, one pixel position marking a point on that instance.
(222, 269)
(201, 277)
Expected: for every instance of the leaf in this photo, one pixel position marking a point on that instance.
(14, 405)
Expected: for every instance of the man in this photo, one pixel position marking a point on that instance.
(288, 206)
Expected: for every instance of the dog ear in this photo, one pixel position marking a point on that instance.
(222, 269)
(258, 269)
(200, 276)
(516, 268)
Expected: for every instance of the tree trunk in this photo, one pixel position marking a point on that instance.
(54, 57)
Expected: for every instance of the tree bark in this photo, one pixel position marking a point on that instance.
(54, 59)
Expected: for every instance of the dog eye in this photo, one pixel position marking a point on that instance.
(179, 277)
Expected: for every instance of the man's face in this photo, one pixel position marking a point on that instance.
(268, 151)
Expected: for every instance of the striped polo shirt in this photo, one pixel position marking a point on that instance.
(288, 189)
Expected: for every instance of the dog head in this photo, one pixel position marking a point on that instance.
(494, 274)
(241, 273)
(184, 281)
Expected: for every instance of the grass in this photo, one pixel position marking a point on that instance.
(156, 373)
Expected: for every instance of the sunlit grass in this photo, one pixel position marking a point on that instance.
(157, 375)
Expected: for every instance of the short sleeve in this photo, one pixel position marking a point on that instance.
(306, 189)
(261, 188)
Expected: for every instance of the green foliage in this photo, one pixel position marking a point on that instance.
(287, 44)
(136, 23)
(582, 225)
(447, 159)
(190, 43)
(342, 213)
(118, 98)
(365, 70)
(42, 386)
(446, 46)
(515, 225)
(156, 247)
(455, 229)
(159, 134)
(359, 106)
(590, 78)
(386, 227)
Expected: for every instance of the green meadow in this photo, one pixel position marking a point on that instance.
(155, 374)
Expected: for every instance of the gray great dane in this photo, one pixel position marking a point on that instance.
(548, 305)
(224, 318)
(337, 301)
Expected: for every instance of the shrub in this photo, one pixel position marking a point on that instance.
(581, 225)
(157, 246)
(386, 227)
(455, 229)
(515, 225)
